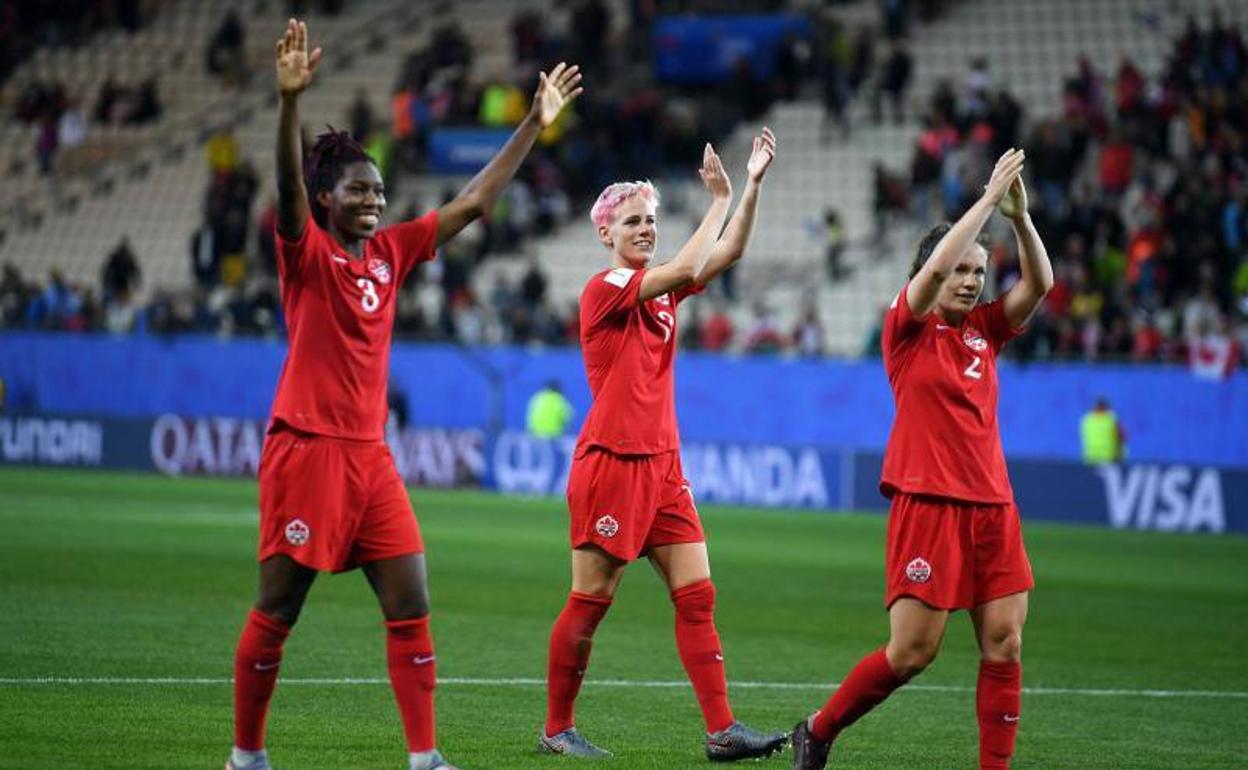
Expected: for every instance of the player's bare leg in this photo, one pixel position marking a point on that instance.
(915, 633)
(402, 588)
(999, 631)
(686, 569)
(284, 586)
(596, 575)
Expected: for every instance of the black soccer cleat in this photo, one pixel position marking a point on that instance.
(737, 741)
(809, 753)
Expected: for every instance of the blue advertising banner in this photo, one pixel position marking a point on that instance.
(1150, 496)
(1170, 417)
(464, 150)
(706, 49)
(1144, 496)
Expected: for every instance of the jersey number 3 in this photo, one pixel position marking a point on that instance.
(973, 371)
(369, 301)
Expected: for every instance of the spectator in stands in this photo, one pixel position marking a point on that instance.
(46, 143)
(121, 274)
(71, 129)
(205, 257)
(105, 104)
(1214, 352)
(528, 39)
(120, 313)
(716, 333)
(808, 337)
(834, 245)
(533, 285)
(226, 54)
(834, 79)
(146, 105)
(763, 335)
(895, 15)
(59, 306)
(588, 28)
(14, 296)
(1115, 165)
(894, 82)
(361, 117)
(976, 86)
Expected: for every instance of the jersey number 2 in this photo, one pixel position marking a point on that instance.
(370, 301)
(973, 371)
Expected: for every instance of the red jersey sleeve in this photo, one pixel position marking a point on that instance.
(991, 318)
(901, 327)
(291, 254)
(691, 290)
(609, 294)
(412, 242)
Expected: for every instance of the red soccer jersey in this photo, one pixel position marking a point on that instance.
(339, 318)
(945, 438)
(629, 348)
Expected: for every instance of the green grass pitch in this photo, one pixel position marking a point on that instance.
(1134, 652)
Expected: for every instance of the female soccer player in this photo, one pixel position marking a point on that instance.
(954, 539)
(330, 497)
(627, 495)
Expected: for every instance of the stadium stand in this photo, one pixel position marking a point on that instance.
(841, 159)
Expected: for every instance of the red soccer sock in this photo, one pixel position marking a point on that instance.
(697, 641)
(256, 661)
(871, 681)
(413, 675)
(571, 640)
(999, 700)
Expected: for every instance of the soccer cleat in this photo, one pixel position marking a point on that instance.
(438, 762)
(262, 764)
(737, 741)
(570, 743)
(809, 753)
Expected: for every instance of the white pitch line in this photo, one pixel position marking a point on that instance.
(623, 683)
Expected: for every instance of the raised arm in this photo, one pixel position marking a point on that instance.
(1033, 259)
(731, 245)
(690, 261)
(554, 91)
(923, 289)
(295, 70)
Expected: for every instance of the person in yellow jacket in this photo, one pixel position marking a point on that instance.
(549, 412)
(1103, 438)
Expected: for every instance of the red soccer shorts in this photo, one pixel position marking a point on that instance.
(333, 504)
(628, 504)
(954, 555)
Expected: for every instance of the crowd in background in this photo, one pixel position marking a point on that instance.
(1138, 187)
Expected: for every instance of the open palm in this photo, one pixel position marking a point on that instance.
(761, 155)
(295, 66)
(554, 91)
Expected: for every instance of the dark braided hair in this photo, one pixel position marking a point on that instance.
(323, 164)
(928, 245)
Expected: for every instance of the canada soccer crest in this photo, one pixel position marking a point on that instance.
(974, 340)
(918, 571)
(607, 526)
(297, 533)
(380, 270)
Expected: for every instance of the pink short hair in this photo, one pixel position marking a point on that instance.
(610, 200)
